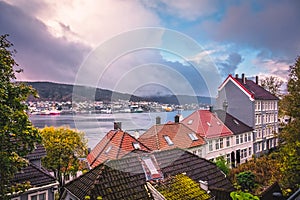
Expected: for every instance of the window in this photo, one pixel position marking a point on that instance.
(244, 153)
(228, 158)
(221, 143)
(249, 137)
(227, 141)
(250, 151)
(136, 145)
(241, 139)
(190, 122)
(193, 136)
(38, 196)
(237, 140)
(217, 144)
(168, 140)
(108, 150)
(245, 137)
(208, 124)
(210, 146)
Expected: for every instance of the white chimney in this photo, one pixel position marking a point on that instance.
(136, 135)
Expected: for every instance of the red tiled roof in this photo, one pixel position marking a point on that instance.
(115, 144)
(178, 133)
(206, 124)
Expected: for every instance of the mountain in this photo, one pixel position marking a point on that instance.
(49, 91)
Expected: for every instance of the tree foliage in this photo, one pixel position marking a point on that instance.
(64, 147)
(222, 165)
(272, 84)
(290, 136)
(17, 135)
(246, 180)
(240, 195)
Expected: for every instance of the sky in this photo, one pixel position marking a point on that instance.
(151, 47)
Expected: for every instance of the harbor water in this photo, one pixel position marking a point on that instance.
(95, 126)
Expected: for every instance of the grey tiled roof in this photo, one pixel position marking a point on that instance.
(234, 124)
(38, 153)
(35, 175)
(125, 178)
(259, 92)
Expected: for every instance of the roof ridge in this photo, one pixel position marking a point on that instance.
(121, 142)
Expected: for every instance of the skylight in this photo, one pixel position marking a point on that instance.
(136, 145)
(193, 136)
(108, 149)
(190, 122)
(208, 123)
(168, 140)
(236, 122)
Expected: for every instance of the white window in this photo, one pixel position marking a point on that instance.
(245, 137)
(193, 136)
(250, 151)
(108, 150)
(227, 141)
(168, 140)
(136, 145)
(210, 145)
(241, 139)
(249, 137)
(42, 195)
(237, 140)
(228, 158)
(217, 144)
(221, 143)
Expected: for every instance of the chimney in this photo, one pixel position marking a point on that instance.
(256, 80)
(236, 75)
(177, 118)
(158, 120)
(117, 125)
(211, 108)
(136, 135)
(243, 78)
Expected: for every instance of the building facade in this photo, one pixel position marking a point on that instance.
(253, 105)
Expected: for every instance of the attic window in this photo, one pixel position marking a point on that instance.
(136, 145)
(193, 136)
(208, 123)
(190, 122)
(108, 149)
(151, 168)
(236, 122)
(168, 140)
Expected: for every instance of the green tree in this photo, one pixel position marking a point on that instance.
(272, 84)
(17, 135)
(246, 180)
(290, 136)
(222, 165)
(240, 195)
(64, 147)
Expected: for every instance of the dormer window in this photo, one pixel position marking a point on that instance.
(136, 145)
(108, 149)
(168, 140)
(193, 136)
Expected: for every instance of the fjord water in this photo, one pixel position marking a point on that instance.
(95, 126)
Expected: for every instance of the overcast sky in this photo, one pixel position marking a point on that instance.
(66, 41)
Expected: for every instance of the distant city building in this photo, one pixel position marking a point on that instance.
(253, 105)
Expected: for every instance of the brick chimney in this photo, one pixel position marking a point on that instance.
(236, 75)
(117, 125)
(158, 120)
(177, 119)
(243, 78)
